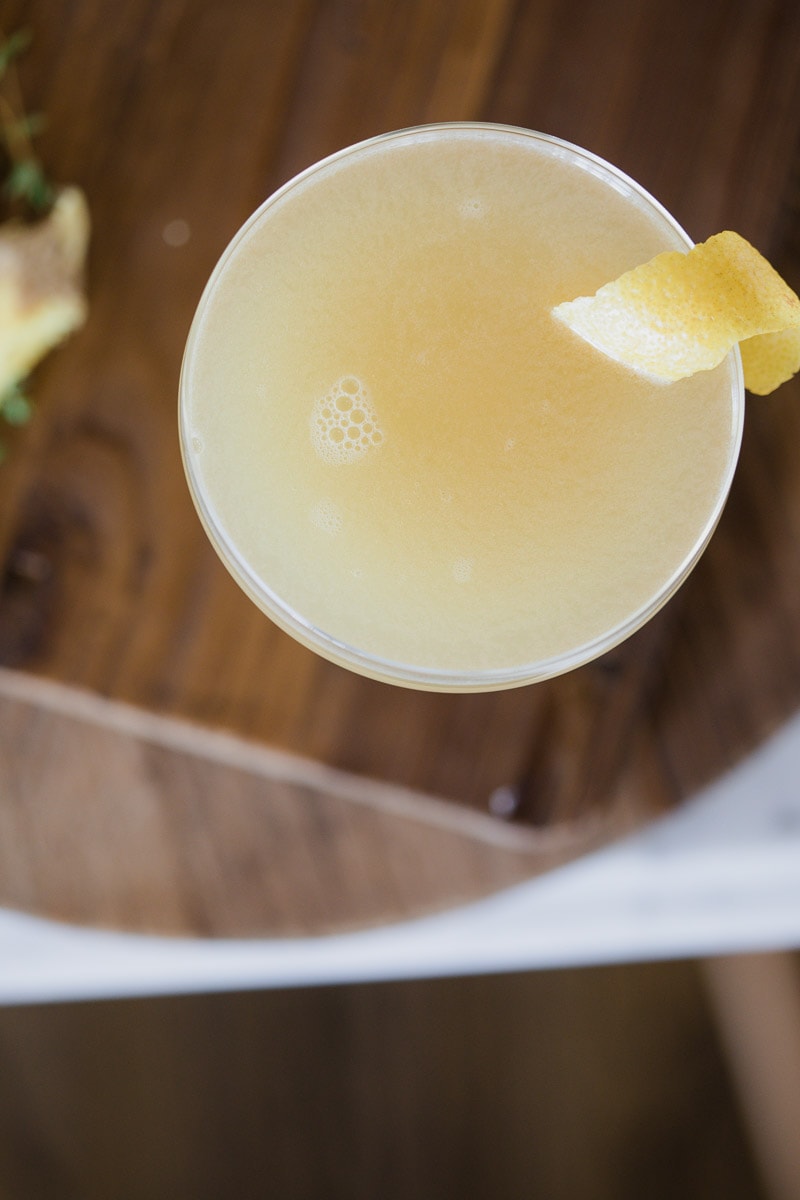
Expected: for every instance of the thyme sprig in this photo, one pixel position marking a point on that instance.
(25, 188)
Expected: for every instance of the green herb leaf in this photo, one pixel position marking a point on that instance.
(15, 406)
(27, 181)
(31, 125)
(12, 47)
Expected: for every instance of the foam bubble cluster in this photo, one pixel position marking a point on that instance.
(327, 516)
(344, 425)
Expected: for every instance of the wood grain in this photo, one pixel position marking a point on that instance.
(606, 1084)
(194, 111)
(116, 817)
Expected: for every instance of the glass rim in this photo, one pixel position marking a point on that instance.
(407, 674)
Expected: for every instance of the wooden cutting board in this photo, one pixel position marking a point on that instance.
(129, 655)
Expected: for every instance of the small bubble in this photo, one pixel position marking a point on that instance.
(197, 444)
(357, 416)
(462, 570)
(177, 232)
(509, 444)
(471, 207)
(344, 403)
(504, 802)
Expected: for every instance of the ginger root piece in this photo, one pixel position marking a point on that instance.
(42, 297)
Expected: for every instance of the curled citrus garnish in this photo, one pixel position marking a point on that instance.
(681, 313)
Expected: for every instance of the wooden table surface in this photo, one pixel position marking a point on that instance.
(169, 760)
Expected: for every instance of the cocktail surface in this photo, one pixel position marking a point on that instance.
(387, 430)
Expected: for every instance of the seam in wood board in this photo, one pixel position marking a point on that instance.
(232, 750)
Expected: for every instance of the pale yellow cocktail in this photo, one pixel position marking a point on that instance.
(398, 451)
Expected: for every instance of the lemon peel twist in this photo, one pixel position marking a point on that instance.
(681, 313)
